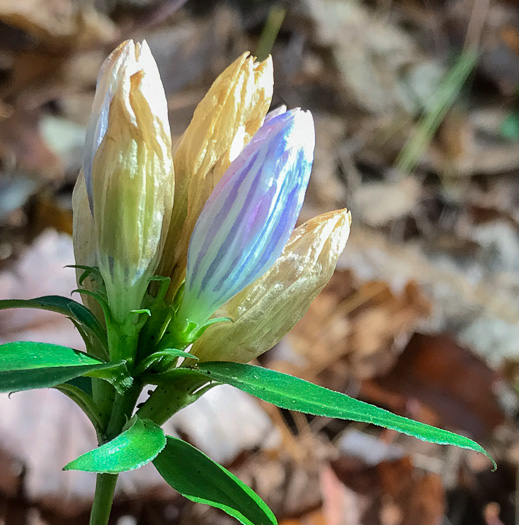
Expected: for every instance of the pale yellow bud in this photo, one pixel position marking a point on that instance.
(83, 225)
(267, 309)
(225, 120)
(128, 170)
(84, 241)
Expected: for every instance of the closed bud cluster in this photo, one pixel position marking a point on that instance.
(241, 176)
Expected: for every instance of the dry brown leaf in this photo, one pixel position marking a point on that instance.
(381, 202)
(341, 505)
(312, 518)
(369, 54)
(477, 301)
(58, 23)
(290, 489)
(325, 191)
(433, 380)
(361, 324)
(396, 492)
(22, 148)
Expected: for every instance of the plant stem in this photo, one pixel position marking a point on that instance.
(122, 409)
(104, 495)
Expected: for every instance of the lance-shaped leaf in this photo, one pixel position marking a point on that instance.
(200, 479)
(131, 449)
(292, 393)
(25, 365)
(61, 305)
(268, 308)
(250, 215)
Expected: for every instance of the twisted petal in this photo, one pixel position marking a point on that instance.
(122, 62)
(268, 308)
(224, 121)
(128, 171)
(248, 218)
(107, 83)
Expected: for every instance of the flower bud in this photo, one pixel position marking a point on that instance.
(250, 215)
(224, 121)
(268, 308)
(84, 241)
(83, 225)
(128, 172)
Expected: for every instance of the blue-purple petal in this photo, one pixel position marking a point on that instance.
(250, 215)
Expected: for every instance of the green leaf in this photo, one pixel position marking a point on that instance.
(25, 365)
(61, 305)
(133, 448)
(116, 373)
(85, 402)
(292, 393)
(169, 353)
(198, 478)
(510, 126)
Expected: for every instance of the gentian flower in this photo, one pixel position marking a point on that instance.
(241, 175)
(268, 308)
(250, 215)
(223, 123)
(123, 200)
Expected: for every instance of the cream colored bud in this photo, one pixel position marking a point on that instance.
(267, 309)
(128, 166)
(223, 123)
(84, 241)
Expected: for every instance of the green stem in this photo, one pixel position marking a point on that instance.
(104, 495)
(103, 394)
(167, 400)
(122, 410)
(115, 409)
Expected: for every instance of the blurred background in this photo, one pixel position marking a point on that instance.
(417, 120)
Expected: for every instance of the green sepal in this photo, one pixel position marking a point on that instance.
(199, 331)
(171, 396)
(158, 356)
(87, 271)
(163, 285)
(100, 298)
(292, 393)
(95, 274)
(143, 311)
(133, 448)
(183, 333)
(178, 296)
(25, 365)
(198, 478)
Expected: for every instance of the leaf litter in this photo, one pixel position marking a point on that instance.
(422, 316)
